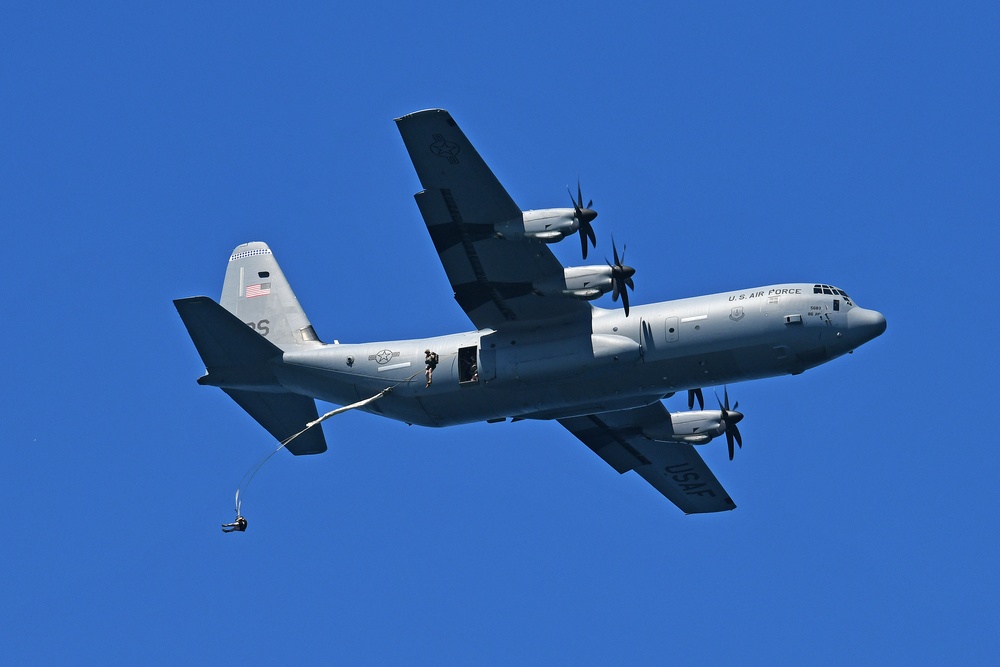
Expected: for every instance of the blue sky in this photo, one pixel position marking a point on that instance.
(729, 145)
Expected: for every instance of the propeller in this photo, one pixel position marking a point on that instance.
(730, 418)
(693, 394)
(583, 216)
(622, 277)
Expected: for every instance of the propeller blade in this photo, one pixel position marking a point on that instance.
(696, 394)
(586, 231)
(621, 276)
(730, 417)
(583, 217)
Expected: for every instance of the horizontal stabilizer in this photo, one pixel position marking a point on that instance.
(223, 341)
(235, 354)
(284, 415)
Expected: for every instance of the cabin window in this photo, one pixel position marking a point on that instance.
(468, 369)
(836, 304)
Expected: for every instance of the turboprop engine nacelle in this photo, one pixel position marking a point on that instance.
(581, 282)
(550, 224)
(696, 428)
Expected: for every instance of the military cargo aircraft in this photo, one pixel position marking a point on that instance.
(540, 348)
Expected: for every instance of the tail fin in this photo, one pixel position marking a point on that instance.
(257, 292)
(240, 361)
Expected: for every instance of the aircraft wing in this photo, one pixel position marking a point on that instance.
(674, 469)
(478, 230)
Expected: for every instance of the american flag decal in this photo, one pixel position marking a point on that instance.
(258, 290)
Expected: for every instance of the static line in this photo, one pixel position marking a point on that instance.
(249, 474)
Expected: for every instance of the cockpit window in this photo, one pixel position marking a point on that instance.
(830, 289)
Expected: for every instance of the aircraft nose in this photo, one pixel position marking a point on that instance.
(866, 324)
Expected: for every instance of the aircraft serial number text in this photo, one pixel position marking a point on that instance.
(260, 327)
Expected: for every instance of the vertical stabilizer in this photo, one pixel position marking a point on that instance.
(257, 292)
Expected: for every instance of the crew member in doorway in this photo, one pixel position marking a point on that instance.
(431, 359)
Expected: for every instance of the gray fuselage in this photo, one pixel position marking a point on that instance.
(611, 362)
